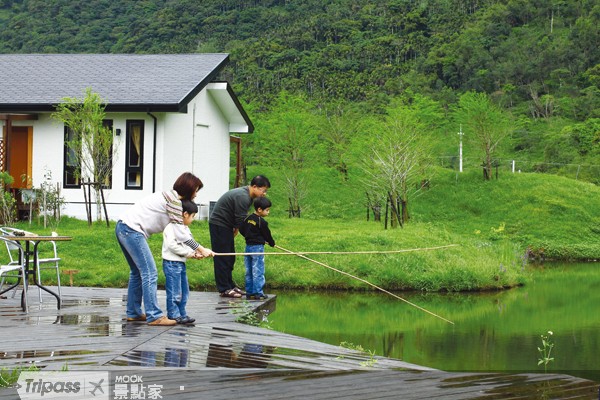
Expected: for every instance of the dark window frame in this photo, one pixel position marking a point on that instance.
(69, 171)
(134, 154)
(109, 123)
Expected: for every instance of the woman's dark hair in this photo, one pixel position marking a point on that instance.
(260, 181)
(187, 184)
(262, 202)
(189, 207)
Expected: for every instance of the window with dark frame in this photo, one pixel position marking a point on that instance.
(107, 184)
(134, 154)
(71, 171)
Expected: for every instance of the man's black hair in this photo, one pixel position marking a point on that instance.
(260, 181)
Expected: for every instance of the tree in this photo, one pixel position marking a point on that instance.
(484, 124)
(91, 142)
(7, 200)
(397, 159)
(340, 127)
(291, 137)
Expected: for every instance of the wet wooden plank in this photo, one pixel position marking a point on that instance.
(218, 358)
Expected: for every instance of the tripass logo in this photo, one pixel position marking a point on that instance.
(68, 385)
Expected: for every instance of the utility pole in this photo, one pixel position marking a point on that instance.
(460, 135)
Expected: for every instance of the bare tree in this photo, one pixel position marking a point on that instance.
(395, 160)
(90, 144)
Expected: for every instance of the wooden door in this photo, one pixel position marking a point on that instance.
(19, 155)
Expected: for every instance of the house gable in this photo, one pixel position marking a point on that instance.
(169, 96)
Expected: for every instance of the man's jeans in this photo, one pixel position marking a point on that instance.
(255, 269)
(178, 290)
(143, 275)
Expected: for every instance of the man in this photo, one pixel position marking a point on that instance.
(226, 217)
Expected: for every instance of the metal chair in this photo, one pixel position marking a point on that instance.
(50, 259)
(13, 250)
(8, 270)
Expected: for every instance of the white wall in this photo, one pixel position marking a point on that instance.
(196, 141)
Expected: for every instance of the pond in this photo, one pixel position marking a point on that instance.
(498, 331)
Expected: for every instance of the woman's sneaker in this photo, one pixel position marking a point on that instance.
(139, 318)
(163, 321)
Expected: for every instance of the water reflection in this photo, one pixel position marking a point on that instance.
(71, 355)
(170, 357)
(497, 331)
(250, 356)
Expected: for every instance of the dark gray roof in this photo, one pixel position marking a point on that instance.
(127, 82)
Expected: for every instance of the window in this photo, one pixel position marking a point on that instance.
(107, 164)
(72, 173)
(135, 154)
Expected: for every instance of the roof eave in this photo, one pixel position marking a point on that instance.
(202, 84)
(21, 108)
(226, 99)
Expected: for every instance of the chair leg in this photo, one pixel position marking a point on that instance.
(25, 284)
(14, 291)
(58, 282)
(39, 279)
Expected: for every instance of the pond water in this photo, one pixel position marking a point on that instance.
(498, 331)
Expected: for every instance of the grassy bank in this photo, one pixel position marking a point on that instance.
(497, 225)
(555, 217)
(471, 265)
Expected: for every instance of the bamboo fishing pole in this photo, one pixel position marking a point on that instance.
(275, 253)
(364, 281)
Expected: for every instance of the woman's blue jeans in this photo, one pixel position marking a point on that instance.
(143, 275)
(177, 287)
(255, 269)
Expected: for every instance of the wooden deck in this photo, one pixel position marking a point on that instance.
(219, 358)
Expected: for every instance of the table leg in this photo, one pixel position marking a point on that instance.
(33, 272)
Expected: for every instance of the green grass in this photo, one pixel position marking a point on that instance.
(472, 265)
(496, 225)
(9, 377)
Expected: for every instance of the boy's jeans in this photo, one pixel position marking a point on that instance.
(255, 269)
(143, 275)
(177, 287)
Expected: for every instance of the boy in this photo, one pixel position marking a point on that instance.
(224, 222)
(174, 254)
(256, 231)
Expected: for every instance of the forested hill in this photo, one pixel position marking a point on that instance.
(539, 55)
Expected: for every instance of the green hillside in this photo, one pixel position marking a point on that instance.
(556, 217)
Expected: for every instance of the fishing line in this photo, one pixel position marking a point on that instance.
(274, 253)
(364, 281)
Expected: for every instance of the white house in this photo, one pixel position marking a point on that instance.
(167, 113)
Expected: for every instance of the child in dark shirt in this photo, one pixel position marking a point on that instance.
(256, 231)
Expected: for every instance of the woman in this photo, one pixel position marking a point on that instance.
(151, 215)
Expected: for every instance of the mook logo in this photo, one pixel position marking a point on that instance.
(68, 385)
